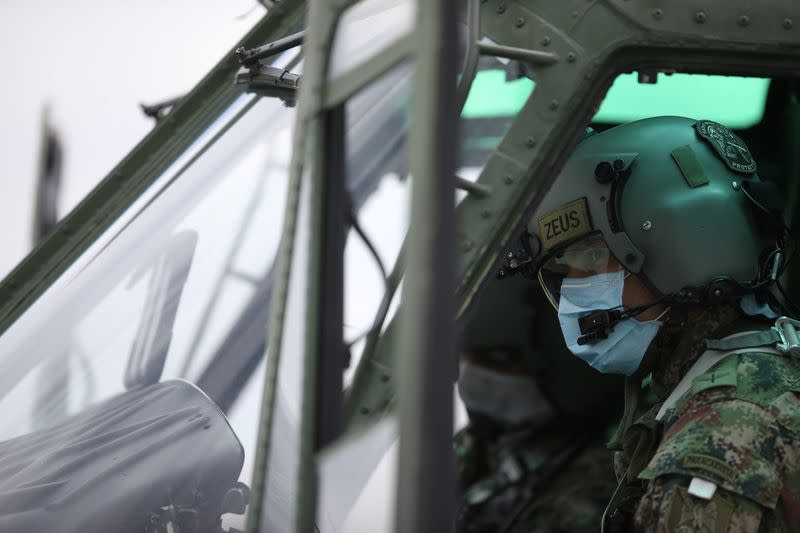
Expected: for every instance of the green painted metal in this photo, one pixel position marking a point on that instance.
(467, 76)
(306, 170)
(137, 171)
(426, 475)
(317, 96)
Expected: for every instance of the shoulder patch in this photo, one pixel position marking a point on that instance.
(686, 513)
(712, 465)
(731, 149)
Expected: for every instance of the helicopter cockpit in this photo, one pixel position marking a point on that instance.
(215, 340)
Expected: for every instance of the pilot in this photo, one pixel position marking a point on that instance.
(532, 457)
(662, 251)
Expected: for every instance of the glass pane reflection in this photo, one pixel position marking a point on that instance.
(368, 28)
(93, 412)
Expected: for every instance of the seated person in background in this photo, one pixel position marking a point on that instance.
(532, 457)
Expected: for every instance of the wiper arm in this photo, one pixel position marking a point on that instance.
(251, 57)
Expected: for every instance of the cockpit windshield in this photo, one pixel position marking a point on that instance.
(121, 360)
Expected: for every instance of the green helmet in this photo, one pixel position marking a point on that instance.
(671, 197)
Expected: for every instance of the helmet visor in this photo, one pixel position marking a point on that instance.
(587, 257)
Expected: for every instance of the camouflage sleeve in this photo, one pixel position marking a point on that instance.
(737, 445)
(667, 507)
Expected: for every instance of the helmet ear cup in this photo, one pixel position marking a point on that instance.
(723, 291)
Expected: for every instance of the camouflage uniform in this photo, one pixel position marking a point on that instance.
(532, 481)
(737, 427)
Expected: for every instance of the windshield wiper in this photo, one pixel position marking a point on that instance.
(251, 57)
(261, 77)
(266, 80)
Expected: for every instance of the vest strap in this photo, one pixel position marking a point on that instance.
(751, 339)
(784, 336)
(701, 366)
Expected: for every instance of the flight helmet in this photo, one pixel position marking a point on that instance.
(674, 200)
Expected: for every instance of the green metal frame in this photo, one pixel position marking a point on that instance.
(307, 158)
(319, 97)
(425, 372)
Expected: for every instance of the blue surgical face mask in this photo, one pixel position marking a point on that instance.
(627, 342)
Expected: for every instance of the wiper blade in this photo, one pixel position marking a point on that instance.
(262, 77)
(270, 81)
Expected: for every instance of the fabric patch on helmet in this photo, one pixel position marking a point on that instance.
(731, 149)
(565, 223)
(690, 166)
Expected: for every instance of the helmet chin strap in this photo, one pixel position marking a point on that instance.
(597, 325)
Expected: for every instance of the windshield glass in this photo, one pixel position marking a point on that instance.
(131, 361)
(712, 97)
(367, 28)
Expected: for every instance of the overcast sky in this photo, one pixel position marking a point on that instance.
(94, 61)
